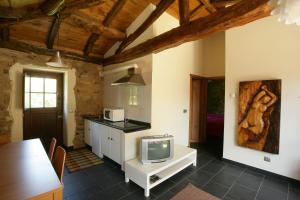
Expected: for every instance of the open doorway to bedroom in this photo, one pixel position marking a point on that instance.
(207, 97)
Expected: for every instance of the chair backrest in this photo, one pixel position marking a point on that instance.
(59, 162)
(52, 148)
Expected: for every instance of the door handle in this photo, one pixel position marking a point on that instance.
(59, 117)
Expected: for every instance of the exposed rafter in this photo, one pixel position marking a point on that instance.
(106, 23)
(113, 12)
(223, 3)
(210, 8)
(195, 10)
(160, 9)
(53, 32)
(184, 11)
(27, 14)
(239, 14)
(90, 44)
(93, 26)
(24, 47)
(4, 34)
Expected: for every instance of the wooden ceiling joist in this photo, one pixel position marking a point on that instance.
(239, 14)
(4, 34)
(106, 23)
(90, 43)
(70, 6)
(184, 11)
(160, 9)
(27, 48)
(53, 32)
(113, 12)
(210, 8)
(93, 26)
(195, 10)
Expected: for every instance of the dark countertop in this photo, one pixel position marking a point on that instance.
(128, 127)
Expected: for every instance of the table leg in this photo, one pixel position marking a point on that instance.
(147, 192)
(195, 163)
(126, 180)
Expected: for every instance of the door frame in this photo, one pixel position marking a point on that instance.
(197, 77)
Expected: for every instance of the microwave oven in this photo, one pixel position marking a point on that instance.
(113, 114)
(154, 149)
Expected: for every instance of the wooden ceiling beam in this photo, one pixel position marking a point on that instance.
(70, 6)
(160, 9)
(113, 12)
(184, 11)
(90, 44)
(195, 10)
(239, 14)
(92, 25)
(210, 8)
(53, 31)
(4, 34)
(106, 23)
(27, 48)
(223, 3)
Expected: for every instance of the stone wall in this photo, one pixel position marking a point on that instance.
(88, 90)
(5, 91)
(89, 95)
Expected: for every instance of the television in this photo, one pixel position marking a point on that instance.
(155, 149)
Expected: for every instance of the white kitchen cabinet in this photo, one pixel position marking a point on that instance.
(87, 132)
(105, 140)
(115, 145)
(96, 138)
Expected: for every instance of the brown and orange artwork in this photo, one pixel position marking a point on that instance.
(259, 115)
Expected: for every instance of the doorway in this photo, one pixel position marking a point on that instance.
(43, 106)
(207, 96)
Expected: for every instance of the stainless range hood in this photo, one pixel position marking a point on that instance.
(133, 77)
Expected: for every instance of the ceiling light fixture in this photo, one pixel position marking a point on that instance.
(56, 60)
(288, 11)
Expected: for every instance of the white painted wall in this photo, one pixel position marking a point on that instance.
(171, 84)
(265, 49)
(213, 55)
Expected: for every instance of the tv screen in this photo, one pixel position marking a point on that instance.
(158, 150)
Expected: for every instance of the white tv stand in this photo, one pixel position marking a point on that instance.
(140, 174)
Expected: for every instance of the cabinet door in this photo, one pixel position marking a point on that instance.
(96, 142)
(115, 147)
(105, 141)
(87, 132)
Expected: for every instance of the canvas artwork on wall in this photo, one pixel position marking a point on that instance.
(259, 115)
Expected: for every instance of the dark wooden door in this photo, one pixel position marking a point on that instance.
(198, 110)
(43, 106)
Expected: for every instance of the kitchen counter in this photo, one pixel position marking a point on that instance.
(127, 127)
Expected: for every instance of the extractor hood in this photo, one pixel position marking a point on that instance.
(133, 77)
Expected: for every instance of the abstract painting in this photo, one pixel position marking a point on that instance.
(259, 115)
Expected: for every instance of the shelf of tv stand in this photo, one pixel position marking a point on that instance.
(140, 174)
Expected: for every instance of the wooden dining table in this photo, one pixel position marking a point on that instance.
(27, 173)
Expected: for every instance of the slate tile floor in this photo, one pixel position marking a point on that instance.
(224, 180)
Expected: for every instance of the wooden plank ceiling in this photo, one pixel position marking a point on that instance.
(87, 29)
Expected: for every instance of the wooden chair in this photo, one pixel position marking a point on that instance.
(51, 149)
(59, 162)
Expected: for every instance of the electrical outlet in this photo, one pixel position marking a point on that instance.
(184, 110)
(267, 159)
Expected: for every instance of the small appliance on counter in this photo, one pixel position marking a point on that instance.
(155, 149)
(113, 114)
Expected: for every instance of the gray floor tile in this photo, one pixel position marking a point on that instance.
(224, 179)
(214, 166)
(240, 192)
(276, 184)
(266, 193)
(251, 180)
(201, 177)
(294, 194)
(215, 189)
